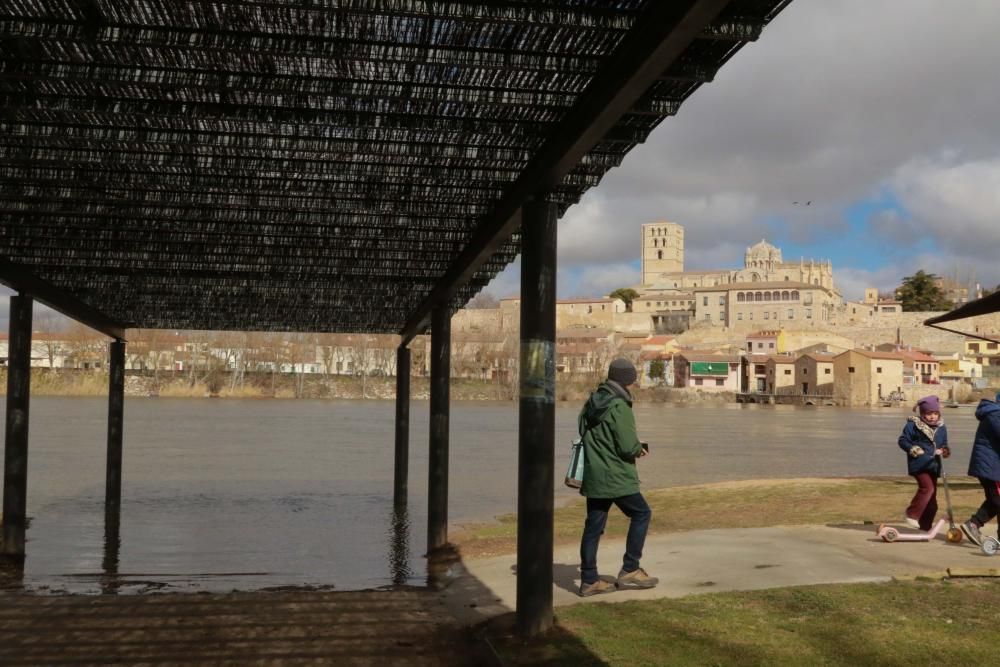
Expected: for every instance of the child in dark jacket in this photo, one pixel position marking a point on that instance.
(984, 464)
(924, 438)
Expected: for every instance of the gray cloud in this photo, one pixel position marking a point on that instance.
(838, 102)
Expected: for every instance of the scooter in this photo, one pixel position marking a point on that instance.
(954, 535)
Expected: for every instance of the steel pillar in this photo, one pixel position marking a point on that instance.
(402, 458)
(536, 427)
(437, 463)
(116, 411)
(15, 461)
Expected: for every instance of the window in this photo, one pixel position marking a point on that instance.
(991, 346)
(771, 345)
(788, 371)
(704, 300)
(759, 369)
(850, 369)
(805, 371)
(826, 371)
(739, 316)
(719, 382)
(809, 313)
(973, 347)
(751, 316)
(722, 300)
(760, 345)
(708, 317)
(878, 369)
(767, 316)
(659, 254)
(699, 381)
(740, 297)
(722, 315)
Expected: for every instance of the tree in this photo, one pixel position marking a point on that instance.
(656, 370)
(626, 294)
(921, 292)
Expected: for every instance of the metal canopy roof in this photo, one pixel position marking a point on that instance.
(317, 165)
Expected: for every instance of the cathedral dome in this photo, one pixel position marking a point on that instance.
(763, 251)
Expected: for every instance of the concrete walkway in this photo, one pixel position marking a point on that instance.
(724, 560)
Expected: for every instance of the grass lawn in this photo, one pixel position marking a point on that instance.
(898, 623)
(747, 504)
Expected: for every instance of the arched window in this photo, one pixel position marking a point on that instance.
(795, 296)
(740, 297)
(656, 243)
(758, 297)
(767, 296)
(785, 296)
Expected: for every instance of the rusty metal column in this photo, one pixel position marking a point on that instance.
(116, 411)
(536, 429)
(437, 463)
(402, 458)
(15, 460)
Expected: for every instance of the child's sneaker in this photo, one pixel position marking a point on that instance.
(971, 531)
(636, 579)
(596, 588)
(912, 523)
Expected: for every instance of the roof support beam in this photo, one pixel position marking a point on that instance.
(23, 281)
(660, 37)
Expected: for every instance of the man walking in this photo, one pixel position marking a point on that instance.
(607, 426)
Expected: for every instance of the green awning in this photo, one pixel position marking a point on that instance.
(709, 368)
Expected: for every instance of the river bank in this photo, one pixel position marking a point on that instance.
(741, 504)
(81, 383)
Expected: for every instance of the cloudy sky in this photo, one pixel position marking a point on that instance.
(884, 113)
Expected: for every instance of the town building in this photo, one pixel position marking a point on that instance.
(768, 304)
(814, 374)
(864, 378)
(707, 372)
(767, 341)
(781, 374)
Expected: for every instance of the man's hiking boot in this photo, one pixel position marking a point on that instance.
(596, 588)
(971, 531)
(636, 579)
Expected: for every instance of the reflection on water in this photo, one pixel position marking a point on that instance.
(112, 547)
(234, 494)
(399, 540)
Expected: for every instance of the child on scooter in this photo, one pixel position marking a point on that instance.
(924, 438)
(984, 465)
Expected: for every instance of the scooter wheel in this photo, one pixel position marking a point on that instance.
(890, 534)
(990, 546)
(954, 535)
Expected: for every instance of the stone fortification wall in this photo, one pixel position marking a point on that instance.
(632, 323)
(480, 319)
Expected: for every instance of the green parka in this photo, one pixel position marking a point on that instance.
(610, 443)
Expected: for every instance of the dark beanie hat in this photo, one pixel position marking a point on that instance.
(622, 371)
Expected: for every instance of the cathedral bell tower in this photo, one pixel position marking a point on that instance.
(662, 250)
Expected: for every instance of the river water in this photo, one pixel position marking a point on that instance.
(248, 494)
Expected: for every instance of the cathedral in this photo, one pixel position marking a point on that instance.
(663, 265)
